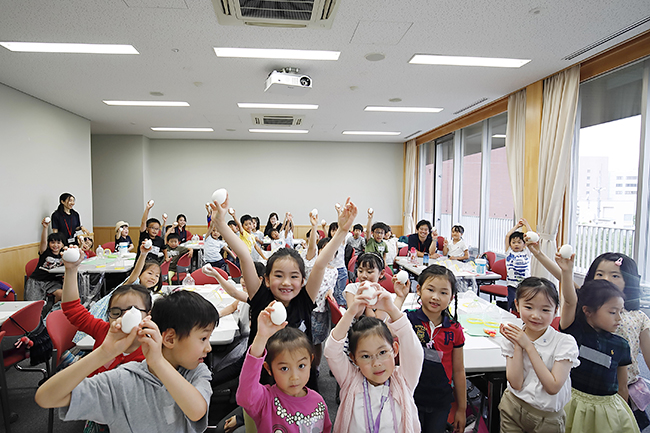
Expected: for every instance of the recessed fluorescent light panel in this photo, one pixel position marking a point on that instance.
(404, 109)
(261, 53)
(280, 131)
(148, 103)
(279, 106)
(371, 133)
(499, 136)
(164, 129)
(43, 47)
(493, 62)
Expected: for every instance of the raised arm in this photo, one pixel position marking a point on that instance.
(42, 246)
(139, 265)
(259, 250)
(346, 218)
(312, 246)
(70, 285)
(568, 295)
(519, 224)
(369, 226)
(238, 246)
(227, 285)
(145, 216)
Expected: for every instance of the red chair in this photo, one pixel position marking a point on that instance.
(188, 236)
(61, 333)
(164, 273)
(182, 266)
(321, 234)
(109, 246)
(556, 323)
(387, 281)
(497, 289)
(491, 258)
(30, 267)
(352, 264)
(233, 270)
(403, 251)
(29, 318)
(335, 311)
(201, 279)
(440, 243)
(6, 292)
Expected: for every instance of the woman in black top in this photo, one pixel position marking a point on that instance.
(66, 220)
(272, 223)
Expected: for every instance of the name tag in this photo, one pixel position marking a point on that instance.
(595, 356)
(78, 233)
(72, 240)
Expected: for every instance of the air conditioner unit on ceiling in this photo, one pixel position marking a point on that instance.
(273, 13)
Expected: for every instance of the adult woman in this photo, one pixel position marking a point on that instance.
(422, 239)
(66, 220)
(272, 223)
(180, 229)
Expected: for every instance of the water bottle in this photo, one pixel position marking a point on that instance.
(413, 255)
(188, 280)
(425, 259)
(100, 252)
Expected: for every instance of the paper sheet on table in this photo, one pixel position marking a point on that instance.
(478, 343)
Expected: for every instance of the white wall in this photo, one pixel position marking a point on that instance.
(264, 177)
(45, 152)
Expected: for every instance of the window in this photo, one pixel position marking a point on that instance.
(619, 185)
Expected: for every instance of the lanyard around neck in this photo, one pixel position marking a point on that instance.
(374, 427)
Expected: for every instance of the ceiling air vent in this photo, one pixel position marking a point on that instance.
(276, 13)
(276, 120)
(606, 39)
(473, 104)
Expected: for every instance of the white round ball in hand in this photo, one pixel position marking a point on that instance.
(532, 236)
(131, 319)
(323, 222)
(47, 220)
(207, 268)
(219, 196)
(231, 211)
(165, 216)
(337, 206)
(371, 210)
(148, 243)
(279, 313)
(150, 202)
(314, 212)
(402, 276)
(175, 224)
(71, 255)
(566, 251)
(368, 290)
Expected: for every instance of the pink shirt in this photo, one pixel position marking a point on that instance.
(272, 410)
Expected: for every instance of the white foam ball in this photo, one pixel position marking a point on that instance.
(369, 290)
(371, 210)
(314, 212)
(150, 202)
(131, 319)
(337, 205)
(148, 243)
(231, 211)
(323, 222)
(279, 313)
(566, 251)
(175, 224)
(71, 255)
(402, 276)
(219, 196)
(532, 236)
(47, 220)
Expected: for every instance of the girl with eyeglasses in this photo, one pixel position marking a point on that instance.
(376, 395)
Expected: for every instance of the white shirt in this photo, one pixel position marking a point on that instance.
(352, 288)
(456, 249)
(552, 346)
(392, 250)
(358, 423)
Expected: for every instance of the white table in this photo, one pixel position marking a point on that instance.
(98, 265)
(453, 265)
(9, 308)
(484, 363)
(222, 334)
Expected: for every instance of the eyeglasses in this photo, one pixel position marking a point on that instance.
(117, 312)
(382, 355)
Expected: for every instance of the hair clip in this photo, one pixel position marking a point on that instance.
(619, 262)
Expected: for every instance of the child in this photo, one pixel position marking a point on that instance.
(517, 260)
(391, 243)
(169, 391)
(356, 241)
(442, 341)
(369, 267)
(320, 316)
(599, 395)
(212, 249)
(285, 275)
(375, 394)
(376, 244)
(259, 235)
(121, 300)
(245, 228)
(538, 362)
(149, 229)
(42, 283)
(122, 238)
(339, 263)
(458, 249)
(175, 251)
(287, 406)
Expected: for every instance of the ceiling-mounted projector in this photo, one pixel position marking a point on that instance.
(288, 81)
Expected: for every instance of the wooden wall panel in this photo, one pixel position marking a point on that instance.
(12, 265)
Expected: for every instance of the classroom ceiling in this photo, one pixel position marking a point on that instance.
(175, 39)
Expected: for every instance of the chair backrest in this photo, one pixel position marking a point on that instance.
(109, 246)
(440, 243)
(352, 264)
(491, 258)
(30, 267)
(387, 281)
(200, 278)
(188, 235)
(185, 261)
(321, 234)
(556, 323)
(335, 311)
(61, 333)
(499, 267)
(7, 293)
(164, 270)
(403, 251)
(28, 317)
(233, 270)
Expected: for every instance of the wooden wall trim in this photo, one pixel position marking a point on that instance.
(616, 56)
(492, 109)
(19, 247)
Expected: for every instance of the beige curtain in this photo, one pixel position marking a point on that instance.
(558, 121)
(516, 148)
(409, 187)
